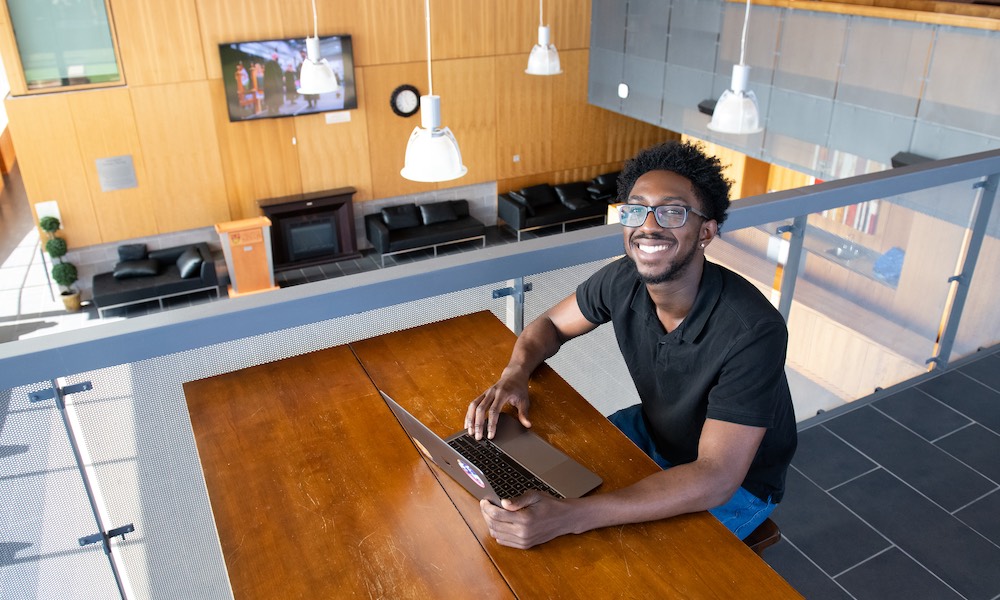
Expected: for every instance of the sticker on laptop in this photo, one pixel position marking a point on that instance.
(471, 473)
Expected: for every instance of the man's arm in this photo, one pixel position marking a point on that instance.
(725, 452)
(541, 339)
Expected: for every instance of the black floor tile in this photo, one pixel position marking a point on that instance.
(892, 574)
(827, 460)
(801, 574)
(985, 370)
(922, 414)
(977, 447)
(824, 530)
(967, 396)
(934, 538)
(908, 456)
(981, 516)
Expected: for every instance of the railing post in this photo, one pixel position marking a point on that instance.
(790, 271)
(960, 283)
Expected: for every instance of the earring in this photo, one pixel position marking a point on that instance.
(703, 245)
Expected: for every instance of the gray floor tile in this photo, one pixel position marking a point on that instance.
(892, 574)
(985, 370)
(921, 413)
(934, 538)
(827, 460)
(824, 530)
(977, 447)
(981, 516)
(801, 574)
(908, 456)
(967, 396)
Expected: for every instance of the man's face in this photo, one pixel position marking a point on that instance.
(661, 254)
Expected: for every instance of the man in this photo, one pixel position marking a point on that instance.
(705, 349)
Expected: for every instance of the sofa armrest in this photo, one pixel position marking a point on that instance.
(377, 233)
(512, 212)
(208, 274)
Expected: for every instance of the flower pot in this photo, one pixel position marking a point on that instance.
(71, 300)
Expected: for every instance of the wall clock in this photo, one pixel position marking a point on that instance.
(405, 100)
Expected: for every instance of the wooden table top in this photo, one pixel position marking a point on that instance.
(306, 506)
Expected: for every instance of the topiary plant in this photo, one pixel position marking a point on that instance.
(63, 273)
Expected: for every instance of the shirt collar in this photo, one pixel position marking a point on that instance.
(709, 292)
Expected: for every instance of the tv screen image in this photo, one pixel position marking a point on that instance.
(261, 77)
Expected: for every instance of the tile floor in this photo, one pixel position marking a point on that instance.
(892, 498)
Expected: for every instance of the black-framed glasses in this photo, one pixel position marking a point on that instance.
(670, 216)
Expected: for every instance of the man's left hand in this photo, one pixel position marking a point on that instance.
(530, 519)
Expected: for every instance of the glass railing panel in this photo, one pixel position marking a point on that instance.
(873, 286)
(980, 326)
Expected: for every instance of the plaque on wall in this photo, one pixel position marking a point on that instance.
(116, 173)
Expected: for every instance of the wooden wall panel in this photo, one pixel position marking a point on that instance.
(336, 154)
(396, 30)
(581, 132)
(52, 167)
(525, 118)
(11, 60)
(105, 128)
(388, 133)
(568, 22)
(159, 41)
(7, 155)
(236, 21)
(782, 178)
(183, 164)
(469, 107)
(462, 29)
(259, 158)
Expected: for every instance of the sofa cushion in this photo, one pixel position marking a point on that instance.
(136, 268)
(607, 178)
(437, 212)
(573, 195)
(127, 252)
(189, 263)
(538, 196)
(518, 198)
(401, 217)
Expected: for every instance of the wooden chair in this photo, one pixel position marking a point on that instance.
(766, 534)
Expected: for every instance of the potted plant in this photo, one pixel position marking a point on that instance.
(64, 273)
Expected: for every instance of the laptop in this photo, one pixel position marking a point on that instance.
(514, 461)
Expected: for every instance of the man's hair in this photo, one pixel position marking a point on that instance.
(689, 161)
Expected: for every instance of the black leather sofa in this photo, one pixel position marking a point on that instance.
(409, 227)
(142, 276)
(546, 205)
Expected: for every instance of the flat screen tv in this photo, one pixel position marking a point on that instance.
(261, 78)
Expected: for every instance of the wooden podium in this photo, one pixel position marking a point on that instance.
(247, 247)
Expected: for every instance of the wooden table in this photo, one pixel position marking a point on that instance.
(317, 492)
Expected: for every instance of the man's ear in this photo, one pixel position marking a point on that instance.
(708, 231)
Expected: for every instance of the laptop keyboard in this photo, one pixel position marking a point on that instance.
(508, 478)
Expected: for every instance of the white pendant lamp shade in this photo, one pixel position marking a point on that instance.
(736, 111)
(316, 77)
(432, 152)
(544, 59)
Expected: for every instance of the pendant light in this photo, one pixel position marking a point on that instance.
(544, 59)
(316, 77)
(432, 152)
(736, 111)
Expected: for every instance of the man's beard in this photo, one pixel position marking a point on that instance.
(679, 265)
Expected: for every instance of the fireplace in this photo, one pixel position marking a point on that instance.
(310, 229)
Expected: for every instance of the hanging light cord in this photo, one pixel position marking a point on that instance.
(541, 22)
(743, 42)
(427, 12)
(315, 23)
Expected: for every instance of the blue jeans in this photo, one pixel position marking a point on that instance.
(741, 514)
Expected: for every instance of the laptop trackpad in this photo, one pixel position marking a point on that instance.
(525, 447)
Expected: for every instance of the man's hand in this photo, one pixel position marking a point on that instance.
(484, 411)
(530, 519)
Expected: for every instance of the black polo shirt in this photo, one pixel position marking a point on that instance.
(725, 361)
